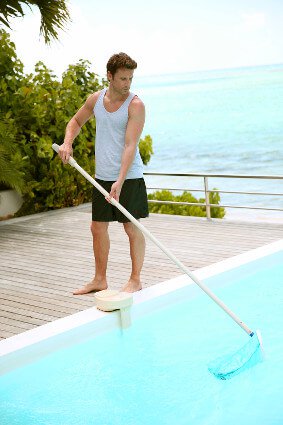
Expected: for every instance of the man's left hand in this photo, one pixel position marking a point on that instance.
(115, 191)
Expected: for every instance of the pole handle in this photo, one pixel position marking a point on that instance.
(71, 161)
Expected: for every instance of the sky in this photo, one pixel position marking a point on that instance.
(163, 36)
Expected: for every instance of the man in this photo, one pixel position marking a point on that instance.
(120, 117)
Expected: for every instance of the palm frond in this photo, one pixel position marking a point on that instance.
(11, 9)
(54, 15)
(4, 21)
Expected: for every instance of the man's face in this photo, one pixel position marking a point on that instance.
(122, 80)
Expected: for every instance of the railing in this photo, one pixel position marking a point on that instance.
(206, 190)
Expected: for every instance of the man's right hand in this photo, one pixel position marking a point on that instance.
(65, 151)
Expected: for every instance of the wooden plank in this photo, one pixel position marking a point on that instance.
(20, 321)
(47, 291)
(15, 328)
(31, 316)
(36, 298)
(28, 310)
(8, 333)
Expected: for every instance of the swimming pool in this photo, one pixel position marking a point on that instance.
(156, 371)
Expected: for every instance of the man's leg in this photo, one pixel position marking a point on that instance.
(137, 251)
(101, 246)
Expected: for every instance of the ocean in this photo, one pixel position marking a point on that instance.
(221, 122)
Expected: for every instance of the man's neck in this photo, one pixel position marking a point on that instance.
(115, 96)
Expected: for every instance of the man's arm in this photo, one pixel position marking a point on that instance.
(133, 132)
(74, 126)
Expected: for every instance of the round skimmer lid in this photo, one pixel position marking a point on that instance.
(109, 300)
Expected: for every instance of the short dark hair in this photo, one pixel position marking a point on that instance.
(120, 60)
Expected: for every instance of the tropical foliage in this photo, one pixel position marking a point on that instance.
(54, 15)
(193, 210)
(11, 167)
(146, 149)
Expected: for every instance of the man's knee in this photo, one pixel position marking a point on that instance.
(132, 231)
(98, 228)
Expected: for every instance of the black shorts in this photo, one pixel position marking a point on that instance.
(133, 197)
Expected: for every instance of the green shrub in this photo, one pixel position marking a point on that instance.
(190, 210)
(146, 150)
(11, 166)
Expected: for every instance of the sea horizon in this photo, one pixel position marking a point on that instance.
(138, 78)
(217, 121)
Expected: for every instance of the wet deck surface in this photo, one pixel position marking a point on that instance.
(44, 257)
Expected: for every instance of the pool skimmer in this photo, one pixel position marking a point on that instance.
(111, 300)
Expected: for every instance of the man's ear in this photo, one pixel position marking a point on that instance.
(109, 76)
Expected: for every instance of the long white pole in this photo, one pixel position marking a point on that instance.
(146, 232)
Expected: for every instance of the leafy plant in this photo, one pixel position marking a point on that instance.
(190, 210)
(11, 168)
(146, 150)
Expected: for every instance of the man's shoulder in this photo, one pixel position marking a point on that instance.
(92, 99)
(136, 100)
(136, 104)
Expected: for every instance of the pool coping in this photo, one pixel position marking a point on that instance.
(16, 350)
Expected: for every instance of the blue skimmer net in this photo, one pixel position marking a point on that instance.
(246, 357)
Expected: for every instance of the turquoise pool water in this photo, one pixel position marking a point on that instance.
(156, 372)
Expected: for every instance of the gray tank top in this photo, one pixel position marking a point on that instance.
(110, 141)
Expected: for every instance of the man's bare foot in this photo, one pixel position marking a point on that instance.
(132, 286)
(93, 286)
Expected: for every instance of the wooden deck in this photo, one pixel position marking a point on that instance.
(45, 256)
